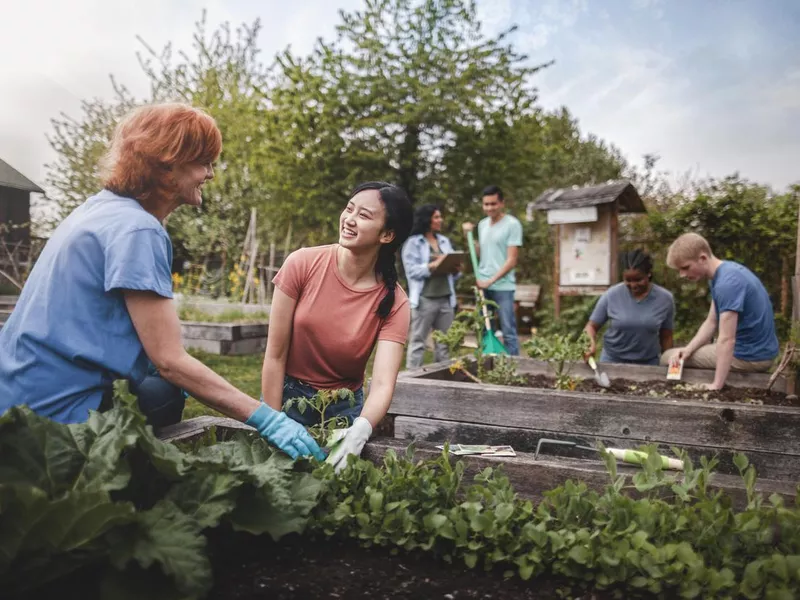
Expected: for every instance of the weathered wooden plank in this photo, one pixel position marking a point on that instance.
(530, 366)
(245, 346)
(771, 465)
(222, 331)
(206, 331)
(252, 330)
(197, 426)
(227, 348)
(531, 478)
(670, 422)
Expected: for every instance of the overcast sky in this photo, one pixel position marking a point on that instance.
(712, 86)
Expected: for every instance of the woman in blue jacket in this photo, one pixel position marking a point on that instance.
(432, 297)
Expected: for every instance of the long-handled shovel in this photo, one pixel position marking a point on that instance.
(490, 344)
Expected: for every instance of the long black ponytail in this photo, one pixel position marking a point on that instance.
(399, 218)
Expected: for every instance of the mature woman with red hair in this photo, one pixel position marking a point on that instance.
(98, 303)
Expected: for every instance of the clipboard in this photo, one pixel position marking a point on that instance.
(451, 260)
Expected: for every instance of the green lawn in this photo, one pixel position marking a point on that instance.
(242, 371)
(245, 373)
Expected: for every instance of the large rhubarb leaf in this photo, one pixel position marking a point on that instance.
(110, 496)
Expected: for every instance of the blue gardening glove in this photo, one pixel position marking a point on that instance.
(282, 431)
(349, 441)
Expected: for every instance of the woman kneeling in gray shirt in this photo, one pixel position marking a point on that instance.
(641, 315)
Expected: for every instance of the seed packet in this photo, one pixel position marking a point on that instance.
(675, 371)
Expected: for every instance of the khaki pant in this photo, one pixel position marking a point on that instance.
(705, 357)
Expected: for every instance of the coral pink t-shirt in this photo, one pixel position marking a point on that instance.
(335, 326)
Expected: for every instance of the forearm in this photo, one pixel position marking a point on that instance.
(377, 403)
(725, 346)
(591, 332)
(665, 337)
(703, 336)
(507, 267)
(190, 374)
(272, 375)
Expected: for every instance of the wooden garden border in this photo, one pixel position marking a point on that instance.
(225, 338)
(530, 478)
(428, 407)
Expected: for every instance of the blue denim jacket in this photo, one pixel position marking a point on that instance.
(416, 256)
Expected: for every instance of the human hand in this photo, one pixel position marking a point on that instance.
(483, 283)
(351, 441)
(682, 354)
(436, 262)
(288, 435)
(712, 387)
(467, 226)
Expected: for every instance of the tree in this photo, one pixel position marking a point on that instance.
(409, 91)
(80, 145)
(404, 87)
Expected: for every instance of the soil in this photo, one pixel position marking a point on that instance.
(675, 390)
(331, 569)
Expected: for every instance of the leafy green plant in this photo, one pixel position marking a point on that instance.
(678, 538)
(110, 497)
(470, 321)
(504, 372)
(319, 403)
(561, 351)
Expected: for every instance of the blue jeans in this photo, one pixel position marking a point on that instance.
(294, 388)
(508, 319)
(160, 402)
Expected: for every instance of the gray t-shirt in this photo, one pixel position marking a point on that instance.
(633, 335)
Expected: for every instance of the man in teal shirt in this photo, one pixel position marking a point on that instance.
(499, 240)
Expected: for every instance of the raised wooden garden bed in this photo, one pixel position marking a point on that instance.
(530, 476)
(225, 338)
(432, 404)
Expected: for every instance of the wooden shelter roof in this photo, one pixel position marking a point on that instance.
(593, 195)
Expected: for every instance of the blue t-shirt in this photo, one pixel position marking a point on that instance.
(735, 288)
(70, 334)
(634, 333)
(494, 241)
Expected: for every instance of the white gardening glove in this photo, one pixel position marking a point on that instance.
(352, 442)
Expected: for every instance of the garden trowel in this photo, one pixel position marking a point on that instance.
(632, 457)
(601, 378)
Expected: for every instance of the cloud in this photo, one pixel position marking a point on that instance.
(78, 44)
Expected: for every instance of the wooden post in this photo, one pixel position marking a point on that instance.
(614, 241)
(784, 286)
(270, 270)
(791, 380)
(252, 238)
(287, 245)
(557, 275)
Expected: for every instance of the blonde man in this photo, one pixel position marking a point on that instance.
(740, 309)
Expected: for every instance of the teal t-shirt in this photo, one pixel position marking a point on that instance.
(494, 241)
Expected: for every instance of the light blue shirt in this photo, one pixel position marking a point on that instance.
(70, 334)
(634, 335)
(735, 288)
(416, 256)
(494, 241)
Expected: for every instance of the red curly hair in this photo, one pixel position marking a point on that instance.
(150, 141)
